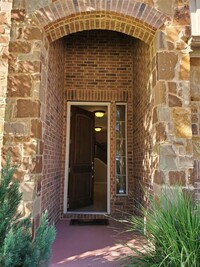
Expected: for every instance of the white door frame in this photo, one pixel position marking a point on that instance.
(69, 104)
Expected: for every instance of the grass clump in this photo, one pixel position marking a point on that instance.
(171, 231)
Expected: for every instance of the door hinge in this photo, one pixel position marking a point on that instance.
(68, 205)
(69, 170)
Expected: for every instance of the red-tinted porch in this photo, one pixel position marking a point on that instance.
(92, 245)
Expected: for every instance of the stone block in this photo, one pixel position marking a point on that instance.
(2, 29)
(20, 47)
(170, 46)
(172, 33)
(174, 101)
(4, 39)
(19, 85)
(182, 122)
(160, 41)
(32, 33)
(168, 158)
(186, 162)
(195, 62)
(30, 148)
(159, 177)
(177, 178)
(15, 128)
(29, 66)
(27, 188)
(166, 6)
(191, 176)
(195, 83)
(36, 129)
(12, 63)
(19, 175)
(18, 15)
(196, 147)
(4, 18)
(163, 114)
(35, 4)
(172, 87)
(195, 118)
(6, 6)
(184, 72)
(155, 115)
(166, 65)
(194, 129)
(14, 151)
(38, 165)
(27, 108)
(182, 15)
(161, 132)
(160, 93)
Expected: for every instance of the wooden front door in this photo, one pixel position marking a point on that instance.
(81, 164)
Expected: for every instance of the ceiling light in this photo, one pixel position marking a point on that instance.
(99, 113)
(98, 129)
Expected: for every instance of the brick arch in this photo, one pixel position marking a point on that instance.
(133, 18)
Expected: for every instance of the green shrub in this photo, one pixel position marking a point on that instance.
(171, 231)
(17, 248)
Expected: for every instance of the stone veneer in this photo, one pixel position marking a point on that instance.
(164, 143)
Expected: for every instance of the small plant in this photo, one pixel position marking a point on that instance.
(171, 231)
(17, 249)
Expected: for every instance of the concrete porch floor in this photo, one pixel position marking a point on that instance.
(93, 246)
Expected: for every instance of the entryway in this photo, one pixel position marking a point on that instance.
(87, 172)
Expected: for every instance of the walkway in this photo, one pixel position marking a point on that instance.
(91, 246)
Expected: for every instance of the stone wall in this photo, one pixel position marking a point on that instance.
(23, 116)
(163, 25)
(5, 28)
(172, 102)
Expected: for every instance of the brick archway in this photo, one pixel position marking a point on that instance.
(133, 18)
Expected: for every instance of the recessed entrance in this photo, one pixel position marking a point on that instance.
(87, 164)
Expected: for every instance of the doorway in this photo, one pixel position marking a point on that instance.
(87, 173)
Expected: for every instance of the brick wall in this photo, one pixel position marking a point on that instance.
(53, 134)
(103, 66)
(195, 109)
(142, 120)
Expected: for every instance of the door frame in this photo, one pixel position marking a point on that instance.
(67, 155)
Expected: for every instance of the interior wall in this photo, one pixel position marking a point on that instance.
(53, 131)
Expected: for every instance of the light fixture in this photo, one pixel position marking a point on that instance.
(99, 113)
(98, 129)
